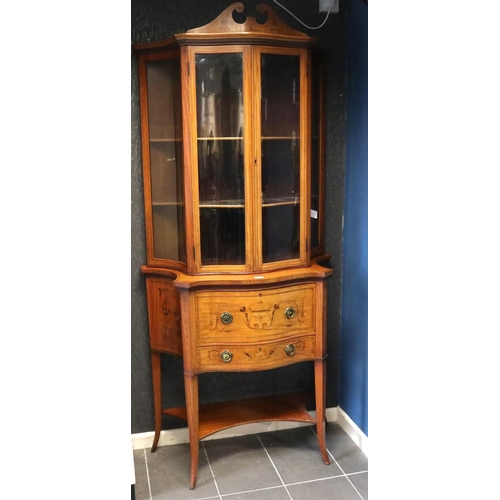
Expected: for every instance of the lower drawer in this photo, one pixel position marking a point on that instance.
(251, 357)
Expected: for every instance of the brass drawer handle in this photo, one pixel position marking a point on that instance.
(290, 350)
(226, 318)
(226, 356)
(290, 312)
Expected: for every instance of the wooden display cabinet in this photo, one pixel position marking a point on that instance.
(233, 141)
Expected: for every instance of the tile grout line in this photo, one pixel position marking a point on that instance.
(326, 478)
(251, 491)
(288, 484)
(338, 465)
(211, 470)
(147, 474)
(279, 475)
(356, 473)
(355, 489)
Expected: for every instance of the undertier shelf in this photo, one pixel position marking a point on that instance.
(216, 417)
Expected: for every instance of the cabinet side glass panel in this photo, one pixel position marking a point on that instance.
(221, 184)
(280, 149)
(165, 147)
(316, 144)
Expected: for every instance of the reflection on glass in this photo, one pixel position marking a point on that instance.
(280, 148)
(219, 82)
(165, 148)
(280, 95)
(221, 172)
(219, 91)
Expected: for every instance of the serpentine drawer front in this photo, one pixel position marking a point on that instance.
(255, 315)
(256, 356)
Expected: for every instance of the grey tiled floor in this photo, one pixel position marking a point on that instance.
(280, 465)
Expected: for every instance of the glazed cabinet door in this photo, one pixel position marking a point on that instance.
(248, 119)
(283, 152)
(161, 124)
(219, 114)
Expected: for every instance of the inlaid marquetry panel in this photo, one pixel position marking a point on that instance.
(255, 315)
(164, 316)
(256, 356)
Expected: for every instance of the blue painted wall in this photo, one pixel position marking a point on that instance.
(353, 397)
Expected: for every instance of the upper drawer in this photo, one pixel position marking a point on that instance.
(255, 315)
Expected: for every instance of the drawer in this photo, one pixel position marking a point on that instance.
(255, 315)
(256, 356)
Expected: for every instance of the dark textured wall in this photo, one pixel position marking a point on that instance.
(153, 21)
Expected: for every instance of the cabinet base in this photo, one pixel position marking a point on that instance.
(219, 416)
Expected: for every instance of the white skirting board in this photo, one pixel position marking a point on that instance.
(352, 430)
(178, 436)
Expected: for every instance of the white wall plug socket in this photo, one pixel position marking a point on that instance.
(324, 5)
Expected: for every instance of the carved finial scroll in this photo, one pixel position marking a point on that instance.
(226, 24)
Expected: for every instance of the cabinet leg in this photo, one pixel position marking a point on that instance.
(156, 373)
(320, 387)
(191, 388)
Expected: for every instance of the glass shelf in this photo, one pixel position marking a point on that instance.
(164, 140)
(223, 204)
(220, 138)
(270, 202)
(167, 204)
(282, 138)
(276, 202)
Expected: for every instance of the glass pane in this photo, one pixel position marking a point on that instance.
(280, 238)
(220, 172)
(219, 95)
(315, 194)
(219, 82)
(165, 149)
(280, 95)
(222, 236)
(280, 119)
(316, 154)
(280, 171)
(164, 94)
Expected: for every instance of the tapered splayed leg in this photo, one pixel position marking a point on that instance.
(320, 387)
(191, 388)
(156, 373)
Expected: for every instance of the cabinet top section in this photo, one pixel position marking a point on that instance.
(234, 27)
